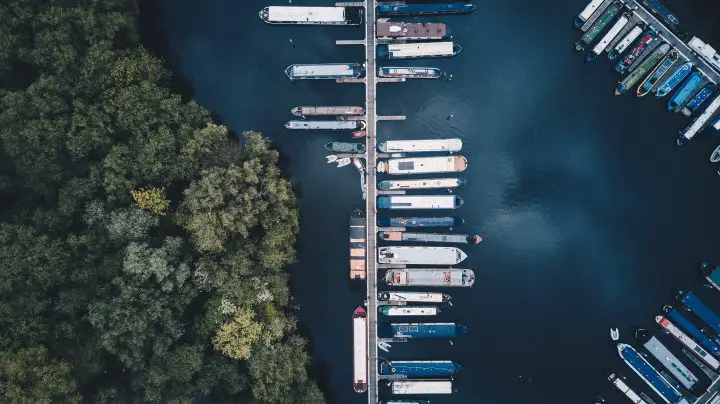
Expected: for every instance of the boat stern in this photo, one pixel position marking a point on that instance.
(288, 72)
(296, 111)
(457, 49)
(263, 14)
(458, 202)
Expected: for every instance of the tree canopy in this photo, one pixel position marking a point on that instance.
(143, 247)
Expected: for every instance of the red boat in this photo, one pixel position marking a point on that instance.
(643, 43)
(359, 134)
(360, 360)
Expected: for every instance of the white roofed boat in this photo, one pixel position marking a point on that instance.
(430, 277)
(300, 15)
(421, 255)
(417, 146)
(428, 183)
(419, 297)
(323, 111)
(325, 125)
(418, 50)
(419, 202)
(423, 165)
(394, 311)
(421, 387)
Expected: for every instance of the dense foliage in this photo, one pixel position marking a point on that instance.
(142, 249)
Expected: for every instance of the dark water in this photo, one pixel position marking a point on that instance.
(591, 214)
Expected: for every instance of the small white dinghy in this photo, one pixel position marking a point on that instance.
(343, 162)
(715, 156)
(331, 158)
(614, 334)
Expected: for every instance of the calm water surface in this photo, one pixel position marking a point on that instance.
(591, 215)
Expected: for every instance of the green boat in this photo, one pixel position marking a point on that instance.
(343, 147)
(598, 26)
(641, 70)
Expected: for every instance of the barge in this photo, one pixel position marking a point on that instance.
(423, 330)
(704, 313)
(401, 10)
(327, 71)
(447, 221)
(419, 202)
(641, 44)
(662, 12)
(683, 94)
(396, 311)
(429, 237)
(360, 354)
(410, 72)
(423, 165)
(421, 297)
(428, 183)
(358, 244)
(328, 111)
(626, 41)
(676, 368)
(618, 382)
(656, 74)
(421, 255)
(699, 99)
(674, 79)
(699, 122)
(684, 339)
(609, 37)
(421, 387)
(430, 277)
(420, 368)
(389, 30)
(418, 50)
(587, 12)
(649, 374)
(294, 15)
(598, 26)
(344, 147)
(642, 69)
(711, 273)
(420, 146)
(325, 125)
(709, 344)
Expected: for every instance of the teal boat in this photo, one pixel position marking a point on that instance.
(644, 67)
(343, 147)
(654, 76)
(598, 26)
(683, 94)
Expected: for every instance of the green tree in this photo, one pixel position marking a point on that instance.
(29, 375)
(236, 337)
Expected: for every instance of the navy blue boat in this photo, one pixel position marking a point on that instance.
(674, 79)
(387, 10)
(420, 368)
(447, 221)
(699, 99)
(423, 330)
(649, 374)
(700, 309)
(659, 9)
(683, 94)
(702, 338)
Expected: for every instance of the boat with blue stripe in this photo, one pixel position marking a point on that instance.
(649, 374)
(423, 330)
(700, 309)
(702, 338)
(654, 76)
(699, 99)
(674, 79)
(711, 273)
(420, 368)
(398, 10)
(659, 9)
(683, 94)
(448, 221)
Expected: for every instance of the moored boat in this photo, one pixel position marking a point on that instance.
(418, 50)
(626, 41)
(698, 123)
(421, 297)
(360, 361)
(298, 15)
(411, 255)
(710, 271)
(358, 243)
(407, 31)
(419, 202)
(324, 71)
(325, 125)
(648, 37)
(429, 237)
(714, 158)
(344, 147)
(410, 72)
(688, 342)
(598, 26)
(649, 374)
(423, 165)
(399, 10)
(674, 79)
(419, 146)
(327, 111)
(659, 9)
(608, 37)
(430, 277)
(683, 94)
(419, 368)
(670, 362)
(403, 311)
(447, 221)
(428, 183)
(423, 330)
(647, 64)
(421, 387)
(699, 99)
(654, 76)
(588, 11)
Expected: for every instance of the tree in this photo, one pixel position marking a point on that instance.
(236, 338)
(152, 199)
(28, 375)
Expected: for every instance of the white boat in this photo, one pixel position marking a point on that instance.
(588, 11)
(420, 146)
(325, 125)
(614, 334)
(360, 360)
(421, 255)
(419, 202)
(343, 162)
(358, 165)
(621, 46)
(418, 50)
(605, 41)
(430, 277)
(423, 297)
(331, 158)
(299, 15)
(428, 183)
(699, 122)
(421, 387)
(715, 156)
(327, 111)
(423, 165)
(395, 311)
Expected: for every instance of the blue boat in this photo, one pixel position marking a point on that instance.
(659, 9)
(699, 99)
(702, 338)
(711, 273)
(448, 221)
(682, 95)
(656, 74)
(389, 10)
(647, 372)
(701, 310)
(422, 330)
(420, 368)
(675, 78)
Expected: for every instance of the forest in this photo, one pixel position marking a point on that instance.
(143, 247)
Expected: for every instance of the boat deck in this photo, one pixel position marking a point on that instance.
(600, 10)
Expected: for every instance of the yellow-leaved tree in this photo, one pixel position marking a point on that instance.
(152, 199)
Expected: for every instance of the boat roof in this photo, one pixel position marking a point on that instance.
(422, 387)
(416, 30)
(422, 48)
(448, 145)
(305, 14)
(322, 124)
(326, 69)
(439, 255)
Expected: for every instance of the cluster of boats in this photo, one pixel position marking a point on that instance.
(654, 60)
(676, 379)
